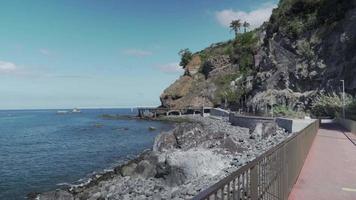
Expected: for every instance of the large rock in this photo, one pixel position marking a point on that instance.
(188, 91)
(145, 169)
(184, 136)
(232, 145)
(263, 130)
(218, 65)
(128, 170)
(189, 135)
(197, 162)
(164, 142)
(56, 195)
(193, 66)
(172, 175)
(180, 88)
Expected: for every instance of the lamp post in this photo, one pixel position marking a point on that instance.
(272, 107)
(203, 103)
(343, 98)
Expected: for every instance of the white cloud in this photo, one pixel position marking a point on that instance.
(45, 52)
(7, 67)
(12, 69)
(137, 52)
(170, 68)
(255, 17)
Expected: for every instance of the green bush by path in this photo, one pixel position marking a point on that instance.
(332, 104)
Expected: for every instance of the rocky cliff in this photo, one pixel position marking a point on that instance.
(305, 48)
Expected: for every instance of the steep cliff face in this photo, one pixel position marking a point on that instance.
(309, 46)
(306, 48)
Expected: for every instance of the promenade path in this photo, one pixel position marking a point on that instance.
(329, 172)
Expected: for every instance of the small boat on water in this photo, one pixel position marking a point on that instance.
(76, 110)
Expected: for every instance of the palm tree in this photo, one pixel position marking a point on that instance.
(245, 25)
(235, 26)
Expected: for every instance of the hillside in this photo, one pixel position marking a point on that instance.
(305, 49)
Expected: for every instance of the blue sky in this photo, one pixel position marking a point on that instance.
(95, 53)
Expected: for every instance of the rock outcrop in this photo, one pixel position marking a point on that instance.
(306, 48)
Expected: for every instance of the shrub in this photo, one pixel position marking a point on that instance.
(224, 81)
(217, 49)
(225, 91)
(243, 51)
(351, 110)
(330, 104)
(247, 39)
(294, 28)
(230, 95)
(186, 57)
(305, 49)
(285, 111)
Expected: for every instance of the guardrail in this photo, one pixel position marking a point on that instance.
(269, 176)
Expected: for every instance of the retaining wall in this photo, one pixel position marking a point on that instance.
(218, 112)
(291, 125)
(285, 123)
(249, 122)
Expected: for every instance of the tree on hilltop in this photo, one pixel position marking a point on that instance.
(235, 26)
(246, 25)
(186, 57)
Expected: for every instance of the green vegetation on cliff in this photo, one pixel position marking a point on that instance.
(186, 57)
(295, 17)
(244, 48)
(303, 51)
(238, 52)
(225, 92)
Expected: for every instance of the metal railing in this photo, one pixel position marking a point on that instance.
(270, 176)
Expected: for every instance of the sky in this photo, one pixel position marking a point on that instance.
(106, 53)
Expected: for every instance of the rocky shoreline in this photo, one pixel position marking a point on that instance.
(194, 155)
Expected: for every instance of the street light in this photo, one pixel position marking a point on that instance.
(343, 98)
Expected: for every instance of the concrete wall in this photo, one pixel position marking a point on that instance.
(348, 124)
(291, 125)
(218, 112)
(285, 123)
(300, 124)
(248, 121)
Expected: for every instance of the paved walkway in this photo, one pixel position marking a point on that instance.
(329, 171)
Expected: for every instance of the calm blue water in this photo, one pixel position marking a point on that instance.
(40, 149)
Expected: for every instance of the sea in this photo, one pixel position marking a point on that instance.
(41, 150)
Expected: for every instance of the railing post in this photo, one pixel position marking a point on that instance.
(254, 182)
(284, 171)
